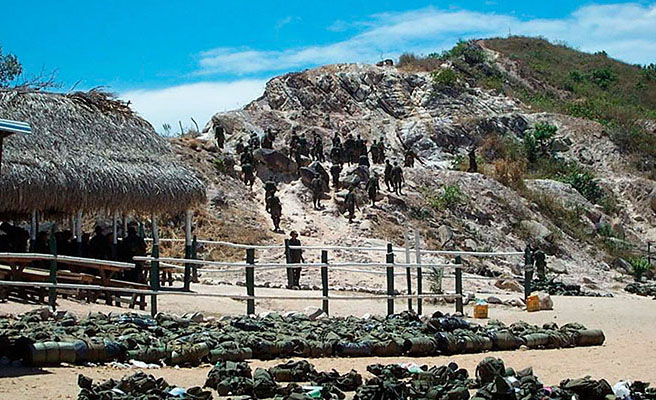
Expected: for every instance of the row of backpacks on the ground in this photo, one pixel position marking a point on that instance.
(493, 381)
(45, 340)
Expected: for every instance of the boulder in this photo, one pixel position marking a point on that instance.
(470, 244)
(396, 200)
(307, 175)
(494, 300)
(652, 200)
(509, 284)
(274, 161)
(444, 234)
(357, 176)
(535, 229)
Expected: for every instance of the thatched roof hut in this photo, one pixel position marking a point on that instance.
(88, 152)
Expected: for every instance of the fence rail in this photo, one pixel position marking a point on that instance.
(388, 268)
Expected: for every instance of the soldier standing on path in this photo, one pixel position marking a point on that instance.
(247, 171)
(254, 141)
(317, 191)
(540, 264)
(351, 204)
(363, 160)
(274, 208)
(372, 189)
(388, 175)
(295, 256)
(397, 178)
(335, 171)
(246, 156)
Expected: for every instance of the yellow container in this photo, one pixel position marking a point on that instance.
(480, 311)
(533, 303)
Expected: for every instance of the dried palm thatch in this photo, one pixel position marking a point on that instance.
(88, 151)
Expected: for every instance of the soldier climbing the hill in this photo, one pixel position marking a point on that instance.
(269, 190)
(372, 189)
(410, 158)
(381, 151)
(375, 152)
(540, 264)
(349, 149)
(363, 160)
(246, 156)
(335, 170)
(274, 208)
(337, 155)
(388, 175)
(317, 191)
(247, 171)
(239, 147)
(219, 135)
(268, 139)
(473, 166)
(397, 178)
(336, 140)
(303, 147)
(351, 204)
(254, 141)
(317, 148)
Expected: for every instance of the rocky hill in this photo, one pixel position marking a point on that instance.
(581, 192)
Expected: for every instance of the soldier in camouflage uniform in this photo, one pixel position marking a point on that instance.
(317, 191)
(351, 204)
(372, 189)
(274, 208)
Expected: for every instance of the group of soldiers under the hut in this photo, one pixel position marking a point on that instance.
(100, 246)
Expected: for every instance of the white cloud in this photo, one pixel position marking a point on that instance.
(625, 31)
(198, 100)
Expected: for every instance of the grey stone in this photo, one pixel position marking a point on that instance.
(444, 234)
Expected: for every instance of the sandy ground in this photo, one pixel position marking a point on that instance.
(629, 323)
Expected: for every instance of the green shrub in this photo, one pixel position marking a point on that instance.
(220, 165)
(450, 197)
(444, 78)
(602, 77)
(585, 183)
(639, 265)
(538, 142)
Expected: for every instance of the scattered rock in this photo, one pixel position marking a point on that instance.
(444, 234)
(494, 300)
(545, 301)
(535, 229)
(509, 284)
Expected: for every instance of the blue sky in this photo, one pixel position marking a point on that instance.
(176, 60)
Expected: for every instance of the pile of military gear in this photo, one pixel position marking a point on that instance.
(42, 339)
(138, 386)
(492, 381)
(642, 289)
(556, 288)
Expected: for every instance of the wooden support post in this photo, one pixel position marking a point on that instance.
(528, 271)
(34, 229)
(187, 270)
(290, 275)
(194, 254)
(154, 268)
(250, 281)
(389, 259)
(52, 293)
(408, 270)
(114, 235)
(125, 225)
(324, 280)
(459, 302)
(78, 233)
(419, 273)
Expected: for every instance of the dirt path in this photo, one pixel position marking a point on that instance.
(628, 323)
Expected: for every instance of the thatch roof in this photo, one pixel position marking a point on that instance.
(88, 152)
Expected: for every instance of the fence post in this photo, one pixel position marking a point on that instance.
(324, 280)
(52, 292)
(187, 270)
(408, 270)
(154, 267)
(34, 229)
(114, 235)
(390, 279)
(78, 233)
(459, 302)
(154, 278)
(250, 280)
(528, 272)
(419, 272)
(194, 256)
(290, 280)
